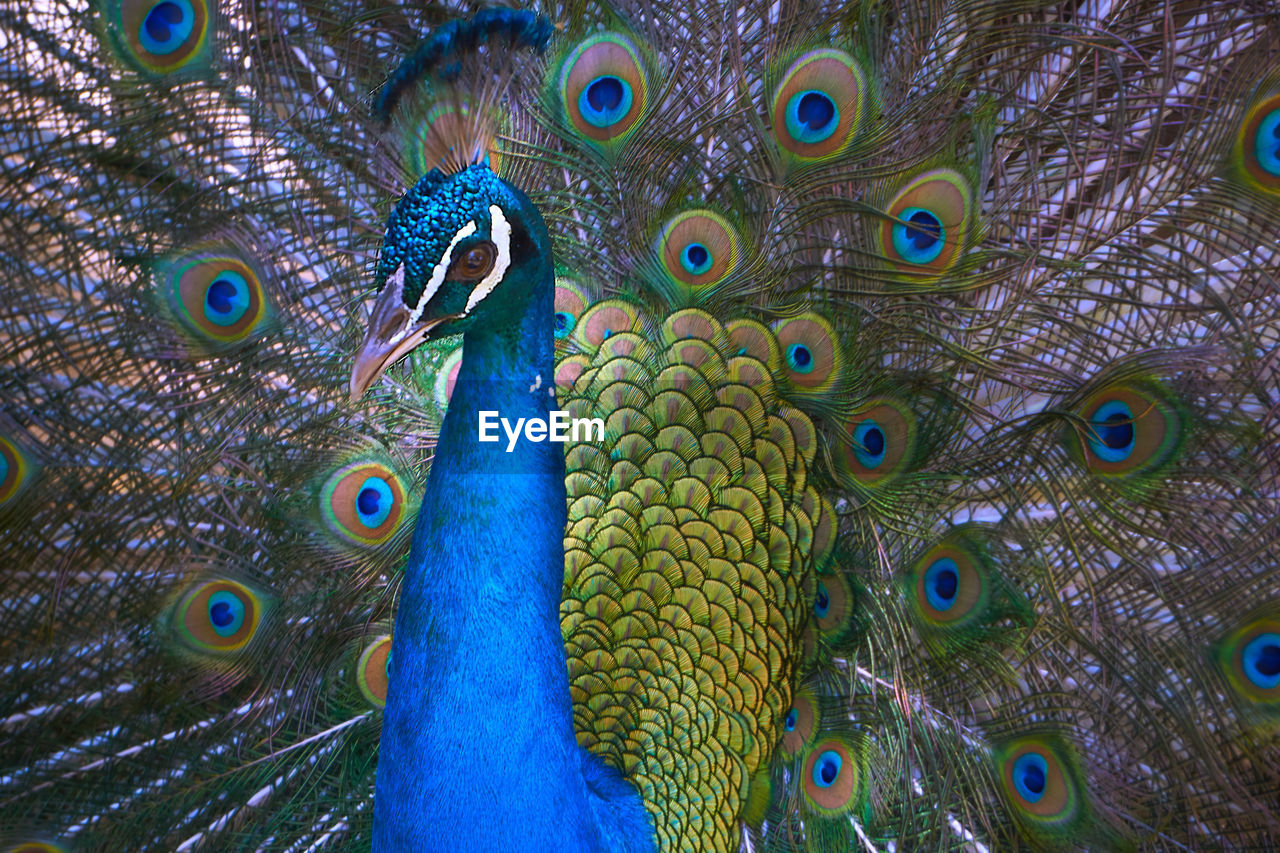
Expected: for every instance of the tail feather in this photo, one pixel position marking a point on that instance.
(971, 313)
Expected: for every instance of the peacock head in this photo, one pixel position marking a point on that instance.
(461, 251)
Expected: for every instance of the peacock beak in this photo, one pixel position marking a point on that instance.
(393, 333)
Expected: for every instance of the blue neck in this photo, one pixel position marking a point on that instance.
(478, 749)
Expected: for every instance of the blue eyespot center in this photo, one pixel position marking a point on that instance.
(1269, 660)
(605, 101)
(822, 602)
(220, 614)
(869, 444)
(1267, 143)
(827, 768)
(941, 582)
(564, 323)
(605, 93)
(1030, 776)
(696, 258)
(816, 110)
(167, 26)
(1118, 432)
(1112, 435)
(790, 722)
(800, 358)
(1262, 661)
(873, 441)
(812, 116)
(227, 299)
(918, 236)
(226, 613)
(374, 502)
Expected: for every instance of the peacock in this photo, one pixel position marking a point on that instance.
(618, 426)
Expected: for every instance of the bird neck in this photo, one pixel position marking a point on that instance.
(478, 749)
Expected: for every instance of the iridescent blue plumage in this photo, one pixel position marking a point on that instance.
(477, 632)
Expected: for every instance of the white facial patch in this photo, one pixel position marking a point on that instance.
(438, 273)
(500, 234)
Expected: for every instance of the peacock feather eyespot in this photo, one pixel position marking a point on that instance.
(1030, 774)
(603, 320)
(1129, 429)
(570, 304)
(812, 357)
(159, 37)
(447, 377)
(1112, 436)
(826, 767)
(927, 223)
(822, 601)
(819, 104)
(218, 617)
(880, 443)
(451, 135)
(1042, 783)
(800, 358)
(834, 610)
(1257, 147)
(800, 723)
(869, 442)
(603, 88)
(833, 776)
(363, 503)
(1260, 661)
(950, 584)
(698, 250)
(215, 297)
(825, 531)
(35, 847)
(919, 236)
(941, 581)
(755, 340)
(373, 671)
(1249, 657)
(17, 470)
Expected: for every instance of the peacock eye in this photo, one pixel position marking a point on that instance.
(474, 264)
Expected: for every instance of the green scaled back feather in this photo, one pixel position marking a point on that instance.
(934, 347)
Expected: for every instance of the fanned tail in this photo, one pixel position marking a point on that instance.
(934, 345)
